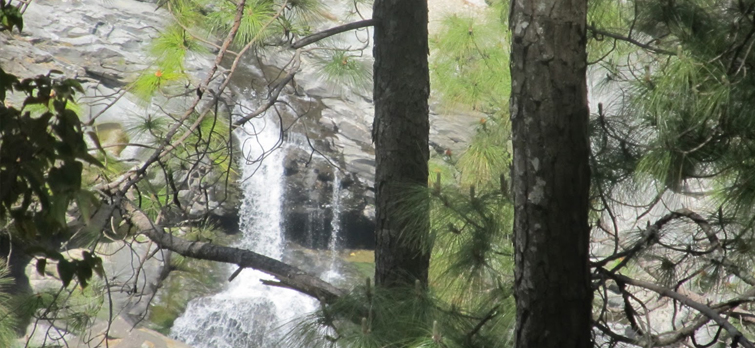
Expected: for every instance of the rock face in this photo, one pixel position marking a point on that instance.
(101, 40)
(105, 43)
(321, 199)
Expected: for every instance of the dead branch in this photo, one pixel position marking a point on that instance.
(289, 276)
(712, 314)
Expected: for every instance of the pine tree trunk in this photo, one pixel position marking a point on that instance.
(400, 132)
(550, 173)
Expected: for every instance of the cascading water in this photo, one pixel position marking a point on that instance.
(248, 313)
(335, 229)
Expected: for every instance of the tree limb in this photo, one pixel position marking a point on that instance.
(707, 311)
(289, 276)
(310, 39)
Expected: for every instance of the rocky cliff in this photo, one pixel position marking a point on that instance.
(104, 43)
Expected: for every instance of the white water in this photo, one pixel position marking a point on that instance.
(248, 313)
(335, 227)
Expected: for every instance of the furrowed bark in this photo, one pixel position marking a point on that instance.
(400, 132)
(550, 173)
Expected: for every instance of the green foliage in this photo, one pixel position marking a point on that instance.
(472, 252)
(171, 46)
(254, 24)
(10, 16)
(344, 71)
(488, 155)
(41, 164)
(7, 310)
(152, 81)
(74, 308)
(375, 317)
(441, 172)
(689, 115)
(306, 12)
(471, 67)
(610, 16)
(151, 126)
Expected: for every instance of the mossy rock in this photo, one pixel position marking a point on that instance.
(365, 256)
(362, 262)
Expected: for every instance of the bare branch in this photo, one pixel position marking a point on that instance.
(289, 276)
(709, 312)
(308, 40)
(629, 39)
(274, 92)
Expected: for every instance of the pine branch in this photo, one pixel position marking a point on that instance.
(490, 315)
(133, 177)
(600, 32)
(227, 80)
(310, 39)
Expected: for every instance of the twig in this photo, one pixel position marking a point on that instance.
(275, 92)
(630, 40)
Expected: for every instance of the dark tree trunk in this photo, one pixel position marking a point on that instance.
(550, 173)
(400, 133)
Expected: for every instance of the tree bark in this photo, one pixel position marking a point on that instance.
(550, 173)
(400, 132)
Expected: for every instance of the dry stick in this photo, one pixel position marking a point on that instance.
(651, 232)
(275, 91)
(709, 312)
(108, 106)
(669, 338)
(715, 244)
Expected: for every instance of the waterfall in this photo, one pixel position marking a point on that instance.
(247, 313)
(335, 229)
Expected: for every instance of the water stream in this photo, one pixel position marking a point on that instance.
(247, 313)
(335, 225)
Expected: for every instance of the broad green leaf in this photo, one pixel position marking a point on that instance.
(66, 271)
(41, 263)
